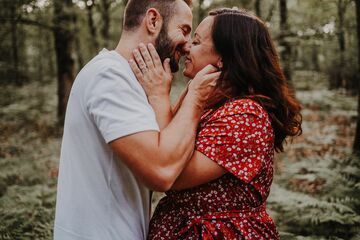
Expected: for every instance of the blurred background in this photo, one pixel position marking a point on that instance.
(44, 43)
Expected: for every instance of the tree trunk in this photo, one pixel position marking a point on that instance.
(14, 43)
(271, 12)
(92, 29)
(105, 15)
(315, 57)
(79, 56)
(64, 37)
(258, 8)
(201, 12)
(357, 133)
(285, 52)
(339, 80)
(40, 52)
(49, 43)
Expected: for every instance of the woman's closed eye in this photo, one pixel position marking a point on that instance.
(195, 42)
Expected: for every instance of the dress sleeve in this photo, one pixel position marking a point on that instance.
(235, 139)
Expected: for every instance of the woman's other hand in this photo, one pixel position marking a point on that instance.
(154, 76)
(203, 85)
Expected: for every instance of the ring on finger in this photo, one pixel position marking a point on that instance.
(144, 69)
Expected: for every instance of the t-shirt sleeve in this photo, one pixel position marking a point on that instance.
(118, 109)
(234, 140)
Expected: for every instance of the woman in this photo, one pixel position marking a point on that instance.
(221, 193)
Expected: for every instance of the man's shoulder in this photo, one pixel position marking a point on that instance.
(108, 60)
(107, 65)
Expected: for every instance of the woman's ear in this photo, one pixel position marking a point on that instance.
(219, 63)
(153, 21)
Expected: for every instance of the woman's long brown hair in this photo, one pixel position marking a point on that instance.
(251, 69)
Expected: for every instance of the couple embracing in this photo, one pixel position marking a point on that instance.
(212, 153)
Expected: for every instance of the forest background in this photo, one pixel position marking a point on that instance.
(44, 43)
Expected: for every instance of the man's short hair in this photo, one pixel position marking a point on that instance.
(136, 9)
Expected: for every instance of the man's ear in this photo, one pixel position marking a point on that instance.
(153, 21)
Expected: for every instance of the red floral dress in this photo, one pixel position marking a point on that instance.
(239, 137)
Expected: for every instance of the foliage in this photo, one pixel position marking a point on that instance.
(316, 187)
(29, 213)
(335, 211)
(29, 149)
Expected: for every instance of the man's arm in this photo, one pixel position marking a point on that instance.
(157, 158)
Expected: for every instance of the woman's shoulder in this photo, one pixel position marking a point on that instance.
(237, 106)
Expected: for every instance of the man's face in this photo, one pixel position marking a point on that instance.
(174, 35)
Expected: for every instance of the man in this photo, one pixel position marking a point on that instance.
(112, 151)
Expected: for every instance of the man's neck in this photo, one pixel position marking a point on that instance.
(128, 42)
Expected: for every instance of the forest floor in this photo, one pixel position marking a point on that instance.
(305, 175)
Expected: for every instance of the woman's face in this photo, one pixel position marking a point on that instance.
(201, 51)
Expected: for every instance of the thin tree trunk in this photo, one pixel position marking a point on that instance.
(357, 134)
(79, 56)
(201, 12)
(105, 30)
(64, 38)
(314, 57)
(14, 42)
(271, 12)
(41, 54)
(92, 29)
(286, 47)
(258, 8)
(50, 50)
(340, 82)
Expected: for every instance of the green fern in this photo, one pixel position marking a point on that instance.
(331, 212)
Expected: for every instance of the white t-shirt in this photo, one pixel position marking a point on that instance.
(98, 197)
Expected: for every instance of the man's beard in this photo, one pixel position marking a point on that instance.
(166, 49)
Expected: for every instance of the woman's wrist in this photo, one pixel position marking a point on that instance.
(162, 109)
(159, 98)
(193, 102)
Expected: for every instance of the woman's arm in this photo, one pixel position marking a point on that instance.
(199, 170)
(162, 108)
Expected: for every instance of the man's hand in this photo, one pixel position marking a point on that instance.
(154, 76)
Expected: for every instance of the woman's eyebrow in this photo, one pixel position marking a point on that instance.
(197, 35)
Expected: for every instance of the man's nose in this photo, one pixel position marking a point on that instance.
(186, 47)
